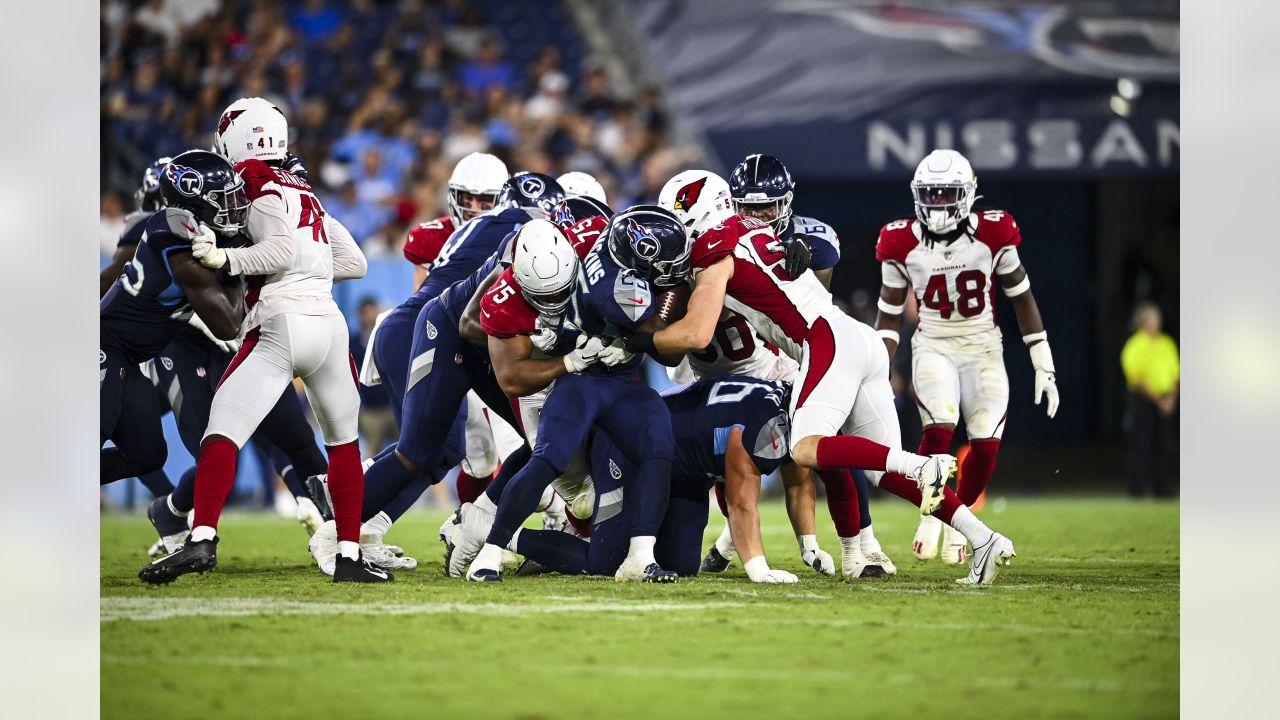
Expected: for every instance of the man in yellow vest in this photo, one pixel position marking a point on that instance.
(1151, 368)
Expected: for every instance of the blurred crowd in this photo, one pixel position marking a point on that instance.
(383, 97)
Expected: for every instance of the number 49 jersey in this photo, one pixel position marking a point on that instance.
(954, 282)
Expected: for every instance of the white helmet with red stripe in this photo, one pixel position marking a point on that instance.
(252, 128)
(700, 199)
(944, 188)
(545, 266)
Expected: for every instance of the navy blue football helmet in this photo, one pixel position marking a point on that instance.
(534, 191)
(147, 197)
(651, 242)
(762, 188)
(581, 207)
(206, 184)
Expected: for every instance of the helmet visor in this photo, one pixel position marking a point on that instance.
(938, 196)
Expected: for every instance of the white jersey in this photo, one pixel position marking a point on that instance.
(953, 282)
(735, 349)
(298, 250)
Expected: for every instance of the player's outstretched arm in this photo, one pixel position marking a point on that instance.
(220, 307)
(696, 329)
(110, 273)
(889, 316)
(1017, 286)
(519, 374)
(274, 247)
(349, 262)
(742, 494)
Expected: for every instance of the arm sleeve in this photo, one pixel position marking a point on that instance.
(274, 248)
(892, 275)
(1007, 260)
(348, 261)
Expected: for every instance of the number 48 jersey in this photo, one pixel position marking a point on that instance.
(953, 282)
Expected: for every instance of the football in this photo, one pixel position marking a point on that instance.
(672, 303)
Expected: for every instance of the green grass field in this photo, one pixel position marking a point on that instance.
(1084, 624)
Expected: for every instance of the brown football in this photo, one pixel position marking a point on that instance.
(672, 303)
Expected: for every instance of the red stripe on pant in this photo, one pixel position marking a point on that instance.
(250, 341)
(822, 352)
(355, 374)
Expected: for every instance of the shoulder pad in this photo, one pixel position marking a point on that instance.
(424, 241)
(182, 224)
(811, 227)
(258, 178)
(995, 229)
(633, 296)
(897, 239)
(772, 440)
(716, 243)
(509, 316)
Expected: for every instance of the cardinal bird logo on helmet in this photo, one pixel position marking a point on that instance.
(643, 242)
(227, 118)
(689, 194)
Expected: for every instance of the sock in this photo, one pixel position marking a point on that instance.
(183, 497)
(902, 461)
(976, 470)
(968, 524)
(293, 482)
(842, 500)
(348, 549)
(157, 483)
(200, 533)
(368, 462)
(724, 543)
(486, 503)
(176, 512)
(215, 476)
(869, 542)
(852, 452)
(864, 497)
(556, 551)
(374, 528)
(720, 500)
(936, 440)
(849, 545)
(520, 499)
(515, 540)
(905, 488)
(490, 556)
(470, 487)
(384, 480)
(641, 549)
(346, 488)
(581, 528)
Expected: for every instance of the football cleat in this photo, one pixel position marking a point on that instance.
(381, 556)
(932, 477)
(987, 559)
(359, 570)
(955, 548)
(156, 549)
(172, 529)
(532, 567)
(323, 546)
(853, 564)
(471, 528)
(318, 488)
(395, 550)
(630, 570)
(484, 575)
(714, 562)
(194, 556)
(874, 554)
(308, 514)
(925, 544)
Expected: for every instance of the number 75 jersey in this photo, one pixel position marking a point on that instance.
(954, 282)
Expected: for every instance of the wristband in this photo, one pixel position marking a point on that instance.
(640, 343)
(1042, 336)
(887, 334)
(807, 543)
(756, 567)
(888, 309)
(1018, 289)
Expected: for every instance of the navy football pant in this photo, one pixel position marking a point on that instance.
(129, 416)
(392, 345)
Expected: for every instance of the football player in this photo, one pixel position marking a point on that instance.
(148, 200)
(646, 248)
(580, 184)
(293, 329)
(953, 258)
(842, 412)
(734, 428)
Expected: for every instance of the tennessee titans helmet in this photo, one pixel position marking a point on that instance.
(206, 184)
(534, 191)
(651, 242)
(762, 188)
(581, 207)
(147, 196)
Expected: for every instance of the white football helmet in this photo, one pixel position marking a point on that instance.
(479, 174)
(582, 185)
(944, 189)
(545, 266)
(252, 128)
(700, 199)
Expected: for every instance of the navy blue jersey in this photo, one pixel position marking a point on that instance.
(454, 298)
(705, 412)
(134, 223)
(469, 247)
(822, 240)
(609, 301)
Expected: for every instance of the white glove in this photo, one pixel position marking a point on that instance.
(759, 571)
(814, 556)
(223, 345)
(615, 353)
(545, 335)
(1046, 382)
(584, 354)
(205, 249)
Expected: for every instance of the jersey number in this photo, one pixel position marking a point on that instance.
(732, 391)
(733, 339)
(970, 290)
(312, 216)
(501, 292)
(774, 260)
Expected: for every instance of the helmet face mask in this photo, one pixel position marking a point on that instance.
(231, 207)
(944, 189)
(464, 205)
(776, 212)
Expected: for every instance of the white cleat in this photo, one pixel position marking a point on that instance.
(471, 529)
(308, 514)
(874, 554)
(156, 549)
(381, 555)
(987, 559)
(932, 478)
(324, 547)
(854, 564)
(925, 544)
(955, 548)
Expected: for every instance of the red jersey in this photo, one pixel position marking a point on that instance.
(423, 243)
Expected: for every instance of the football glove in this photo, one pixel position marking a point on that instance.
(814, 556)
(587, 350)
(292, 163)
(544, 339)
(228, 346)
(205, 249)
(615, 353)
(1046, 380)
(759, 571)
(799, 254)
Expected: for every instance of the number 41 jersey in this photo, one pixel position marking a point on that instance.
(954, 282)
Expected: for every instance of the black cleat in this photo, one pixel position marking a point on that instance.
(714, 562)
(873, 571)
(195, 556)
(318, 488)
(655, 573)
(359, 571)
(531, 567)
